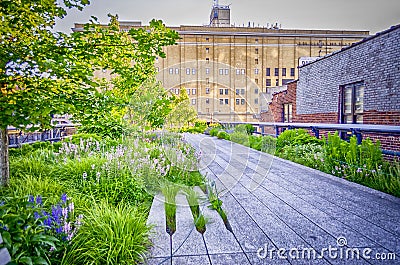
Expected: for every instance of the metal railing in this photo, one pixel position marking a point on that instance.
(355, 129)
(17, 137)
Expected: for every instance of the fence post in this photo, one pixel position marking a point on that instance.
(358, 135)
(316, 132)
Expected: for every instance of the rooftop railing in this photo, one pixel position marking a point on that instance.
(354, 129)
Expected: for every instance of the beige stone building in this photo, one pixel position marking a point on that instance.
(224, 68)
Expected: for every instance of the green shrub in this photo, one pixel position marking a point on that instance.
(110, 235)
(255, 142)
(295, 137)
(268, 144)
(214, 131)
(223, 135)
(247, 128)
(240, 137)
(76, 138)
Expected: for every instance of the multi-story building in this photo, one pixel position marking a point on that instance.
(224, 68)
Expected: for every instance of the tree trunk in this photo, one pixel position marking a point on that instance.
(4, 161)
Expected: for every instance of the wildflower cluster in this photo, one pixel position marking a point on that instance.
(57, 221)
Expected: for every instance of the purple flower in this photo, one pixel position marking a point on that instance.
(59, 230)
(67, 227)
(65, 213)
(71, 207)
(39, 200)
(64, 198)
(47, 221)
(56, 213)
(31, 199)
(36, 215)
(359, 170)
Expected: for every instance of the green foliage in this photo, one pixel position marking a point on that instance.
(214, 131)
(110, 235)
(240, 137)
(246, 128)
(295, 137)
(199, 127)
(223, 135)
(268, 144)
(35, 234)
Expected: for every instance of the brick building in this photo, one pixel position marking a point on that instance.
(224, 67)
(358, 84)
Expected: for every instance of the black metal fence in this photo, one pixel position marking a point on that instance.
(354, 129)
(17, 137)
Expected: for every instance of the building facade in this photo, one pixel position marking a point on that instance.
(359, 84)
(225, 68)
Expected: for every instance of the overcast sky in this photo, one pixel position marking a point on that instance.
(372, 15)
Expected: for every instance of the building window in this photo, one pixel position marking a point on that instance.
(207, 80)
(352, 103)
(276, 71)
(157, 69)
(207, 60)
(256, 71)
(207, 71)
(256, 61)
(188, 71)
(221, 71)
(242, 101)
(226, 91)
(256, 41)
(292, 73)
(221, 101)
(177, 71)
(243, 71)
(277, 82)
(207, 50)
(207, 39)
(226, 101)
(256, 91)
(193, 71)
(171, 71)
(194, 91)
(242, 91)
(237, 91)
(237, 101)
(207, 101)
(188, 91)
(287, 112)
(256, 101)
(207, 90)
(283, 71)
(193, 101)
(256, 51)
(256, 80)
(226, 71)
(237, 71)
(268, 71)
(177, 91)
(268, 82)
(221, 91)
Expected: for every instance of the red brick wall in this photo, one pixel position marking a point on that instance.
(369, 117)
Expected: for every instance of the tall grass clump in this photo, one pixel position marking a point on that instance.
(110, 235)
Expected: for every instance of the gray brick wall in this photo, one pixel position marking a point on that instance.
(375, 61)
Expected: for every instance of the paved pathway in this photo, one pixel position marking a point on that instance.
(272, 204)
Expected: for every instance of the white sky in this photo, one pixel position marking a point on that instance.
(372, 15)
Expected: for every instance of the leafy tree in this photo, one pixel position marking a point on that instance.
(44, 73)
(182, 112)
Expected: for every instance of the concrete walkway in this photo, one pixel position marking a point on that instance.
(280, 213)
